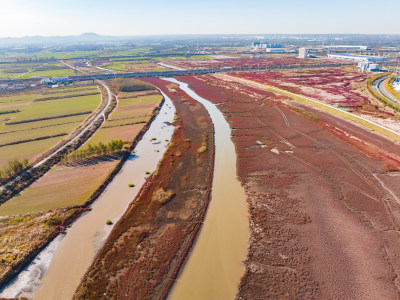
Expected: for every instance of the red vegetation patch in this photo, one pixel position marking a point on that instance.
(391, 161)
(332, 86)
(276, 60)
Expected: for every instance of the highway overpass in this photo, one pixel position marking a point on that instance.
(175, 73)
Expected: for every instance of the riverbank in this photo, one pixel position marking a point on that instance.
(147, 247)
(323, 197)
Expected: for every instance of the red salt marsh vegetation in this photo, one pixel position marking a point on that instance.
(237, 62)
(333, 86)
(323, 197)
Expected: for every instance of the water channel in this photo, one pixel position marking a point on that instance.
(214, 267)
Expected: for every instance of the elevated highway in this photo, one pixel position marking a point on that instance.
(174, 73)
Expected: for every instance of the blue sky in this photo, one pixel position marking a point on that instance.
(148, 17)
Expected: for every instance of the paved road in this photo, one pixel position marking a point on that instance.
(383, 91)
(80, 134)
(379, 86)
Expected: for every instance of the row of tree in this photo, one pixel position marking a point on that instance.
(98, 149)
(132, 85)
(12, 168)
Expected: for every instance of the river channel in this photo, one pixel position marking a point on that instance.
(214, 267)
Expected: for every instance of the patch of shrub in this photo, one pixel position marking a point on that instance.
(132, 85)
(95, 150)
(13, 168)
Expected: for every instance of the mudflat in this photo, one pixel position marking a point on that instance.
(323, 197)
(147, 247)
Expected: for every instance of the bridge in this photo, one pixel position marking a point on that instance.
(175, 73)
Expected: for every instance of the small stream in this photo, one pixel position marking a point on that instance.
(56, 272)
(214, 267)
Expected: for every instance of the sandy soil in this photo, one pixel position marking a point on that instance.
(148, 245)
(323, 200)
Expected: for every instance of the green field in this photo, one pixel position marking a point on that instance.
(50, 73)
(31, 70)
(77, 182)
(121, 122)
(29, 150)
(62, 116)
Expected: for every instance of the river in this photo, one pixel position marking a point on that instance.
(214, 267)
(56, 271)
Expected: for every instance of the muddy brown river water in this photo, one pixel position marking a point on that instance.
(214, 267)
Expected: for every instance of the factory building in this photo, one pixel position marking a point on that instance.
(54, 80)
(368, 67)
(258, 45)
(303, 53)
(358, 58)
(346, 47)
(276, 50)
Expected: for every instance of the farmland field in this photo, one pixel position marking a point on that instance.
(125, 122)
(31, 124)
(128, 118)
(31, 70)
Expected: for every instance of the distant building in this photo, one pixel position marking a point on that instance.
(303, 53)
(396, 84)
(276, 50)
(358, 58)
(45, 80)
(258, 45)
(368, 67)
(346, 47)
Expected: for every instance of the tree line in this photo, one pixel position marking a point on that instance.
(132, 85)
(98, 149)
(12, 168)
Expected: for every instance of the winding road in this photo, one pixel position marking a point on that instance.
(379, 86)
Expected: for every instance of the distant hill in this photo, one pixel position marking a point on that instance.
(57, 40)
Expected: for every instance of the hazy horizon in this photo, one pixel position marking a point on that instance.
(23, 18)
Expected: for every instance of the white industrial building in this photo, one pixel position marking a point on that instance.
(358, 58)
(396, 84)
(346, 47)
(276, 50)
(259, 45)
(54, 80)
(368, 67)
(303, 53)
